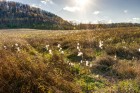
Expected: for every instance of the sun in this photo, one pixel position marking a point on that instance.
(82, 3)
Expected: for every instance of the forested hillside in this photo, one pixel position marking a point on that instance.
(17, 15)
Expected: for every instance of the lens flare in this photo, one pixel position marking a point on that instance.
(82, 3)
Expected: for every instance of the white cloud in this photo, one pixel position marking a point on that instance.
(43, 2)
(35, 5)
(133, 20)
(96, 12)
(136, 19)
(125, 11)
(47, 1)
(110, 22)
(103, 21)
(85, 21)
(71, 9)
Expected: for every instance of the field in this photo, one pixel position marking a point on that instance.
(75, 61)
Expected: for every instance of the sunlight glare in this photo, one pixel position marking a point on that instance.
(82, 3)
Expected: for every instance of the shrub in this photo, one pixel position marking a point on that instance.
(128, 86)
(124, 70)
(110, 50)
(24, 73)
(104, 64)
(125, 86)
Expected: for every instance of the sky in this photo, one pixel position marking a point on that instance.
(91, 11)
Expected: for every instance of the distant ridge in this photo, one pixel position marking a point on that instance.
(18, 15)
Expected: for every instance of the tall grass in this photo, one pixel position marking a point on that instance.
(34, 70)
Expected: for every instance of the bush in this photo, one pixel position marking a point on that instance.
(111, 67)
(128, 86)
(24, 73)
(104, 64)
(123, 53)
(125, 71)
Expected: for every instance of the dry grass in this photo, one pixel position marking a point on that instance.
(34, 70)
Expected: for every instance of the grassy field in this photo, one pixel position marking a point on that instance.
(86, 61)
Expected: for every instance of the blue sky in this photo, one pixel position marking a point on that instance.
(93, 11)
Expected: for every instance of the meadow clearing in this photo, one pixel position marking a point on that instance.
(71, 61)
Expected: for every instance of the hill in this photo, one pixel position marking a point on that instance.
(17, 15)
